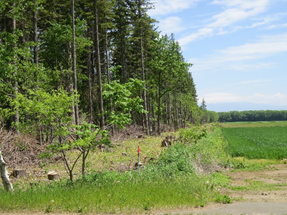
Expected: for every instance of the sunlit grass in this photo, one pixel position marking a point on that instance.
(123, 196)
(253, 124)
(173, 181)
(257, 142)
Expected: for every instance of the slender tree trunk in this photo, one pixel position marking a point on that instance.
(153, 118)
(91, 108)
(108, 74)
(4, 175)
(99, 72)
(158, 105)
(74, 61)
(71, 86)
(124, 68)
(180, 115)
(168, 109)
(145, 118)
(176, 110)
(83, 162)
(35, 23)
(36, 59)
(17, 118)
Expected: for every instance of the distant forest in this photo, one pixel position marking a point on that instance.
(63, 62)
(256, 115)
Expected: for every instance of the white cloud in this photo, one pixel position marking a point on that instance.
(234, 11)
(238, 57)
(164, 7)
(256, 98)
(274, 26)
(253, 82)
(171, 25)
(267, 46)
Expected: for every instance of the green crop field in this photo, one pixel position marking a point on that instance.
(253, 124)
(256, 142)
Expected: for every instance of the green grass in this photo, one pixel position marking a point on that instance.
(110, 193)
(256, 186)
(257, 142)
(171, 182)
(253, 124)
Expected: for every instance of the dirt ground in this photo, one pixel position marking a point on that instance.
(268, 198)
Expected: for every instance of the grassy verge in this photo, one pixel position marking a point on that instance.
(174, 180)
(110, 192)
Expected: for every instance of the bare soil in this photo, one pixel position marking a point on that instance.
(269, 198)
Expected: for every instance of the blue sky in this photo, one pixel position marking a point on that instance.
(238, 49)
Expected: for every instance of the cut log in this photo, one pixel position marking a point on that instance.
(19, 173)
(4, 175)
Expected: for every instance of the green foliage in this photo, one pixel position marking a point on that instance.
(46, 111)
(255, 115)
(88, 136)
(182, 159)
(224, 199)
(176, 160)
(256, 143)
(171, 182)
(124, 100)
(192, 134)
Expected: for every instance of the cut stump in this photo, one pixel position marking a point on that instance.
(53, 175)
(19, 173)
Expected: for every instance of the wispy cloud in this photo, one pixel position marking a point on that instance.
(171, 25)
(165, 7)
(256, 98)
(238, 57)
(274, 26)
(234, 11)
(253, 82)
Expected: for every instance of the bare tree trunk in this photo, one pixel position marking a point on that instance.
(180, 114)
(35, 22)
(91, 109)
(4, 175)
(108, 74)
(168, 110)
(74, 62)
(17, 118)
(36, 58)
(99, 72)
(176, 110)
(146, 122)
(158, 106)
(71, 86)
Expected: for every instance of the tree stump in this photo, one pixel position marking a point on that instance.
(53, 175)
(19, 173)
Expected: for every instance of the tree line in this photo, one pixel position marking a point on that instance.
(72, 72)
(255, 115)
(83, 46)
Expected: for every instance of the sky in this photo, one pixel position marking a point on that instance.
(238, 49)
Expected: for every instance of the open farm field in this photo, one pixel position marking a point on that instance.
(257, 142)
(253, 124)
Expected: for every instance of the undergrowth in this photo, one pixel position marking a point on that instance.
(172, 181)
